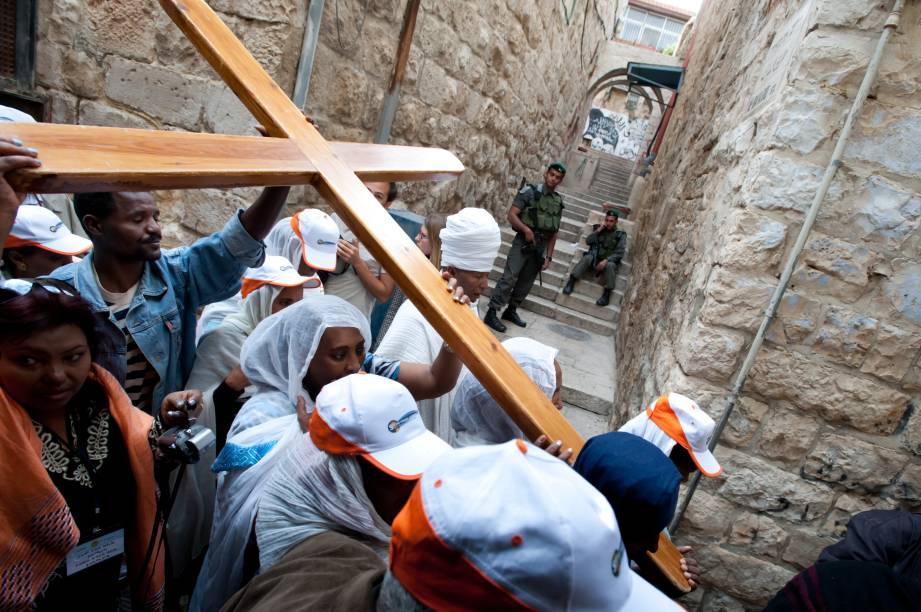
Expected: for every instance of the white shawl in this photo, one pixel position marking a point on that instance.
(275, 358)
(477, 418)
(310, 492)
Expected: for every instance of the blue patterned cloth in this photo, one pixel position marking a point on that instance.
(236, 457)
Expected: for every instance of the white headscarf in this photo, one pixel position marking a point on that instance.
(278, 242)
(309, 492)
(276, 355)
(283, 241)
(477, 418)
(275, 358)
(219, 352)
(470, 240)
(641, 425)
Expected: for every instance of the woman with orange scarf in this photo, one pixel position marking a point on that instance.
(76, 462)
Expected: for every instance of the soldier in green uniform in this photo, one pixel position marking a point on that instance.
(607, 246)
(535, 215)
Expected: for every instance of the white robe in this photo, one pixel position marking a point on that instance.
(412, 339)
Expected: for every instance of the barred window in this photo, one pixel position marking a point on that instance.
(17, 42)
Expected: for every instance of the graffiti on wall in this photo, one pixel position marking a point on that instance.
(615, 133)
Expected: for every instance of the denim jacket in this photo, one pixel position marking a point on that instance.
(162, 314)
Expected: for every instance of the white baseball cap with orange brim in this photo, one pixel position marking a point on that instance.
(278, 271)
(39, 227)
(677, 419)
(376, 418)
(319, 236)
(509, 527)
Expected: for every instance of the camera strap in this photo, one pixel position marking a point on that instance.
(161, 516)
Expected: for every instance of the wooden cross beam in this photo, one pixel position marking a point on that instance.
(85, 158)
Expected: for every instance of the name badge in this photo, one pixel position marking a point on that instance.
(97, 550)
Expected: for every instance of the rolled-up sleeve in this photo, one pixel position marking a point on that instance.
(210, 269)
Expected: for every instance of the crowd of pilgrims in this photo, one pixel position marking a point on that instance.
(339, 477)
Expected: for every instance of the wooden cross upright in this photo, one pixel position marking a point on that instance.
(87, 158)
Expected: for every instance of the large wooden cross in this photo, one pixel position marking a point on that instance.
(86, 158)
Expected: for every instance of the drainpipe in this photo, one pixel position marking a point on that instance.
(392, 98)
(892, 23)
(308, 52)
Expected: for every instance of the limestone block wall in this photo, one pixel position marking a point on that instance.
(499, 83)
(828, 422)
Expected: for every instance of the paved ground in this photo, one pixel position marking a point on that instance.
(587, 361)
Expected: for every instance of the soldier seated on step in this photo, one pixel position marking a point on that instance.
(535, 215)
(607, 246)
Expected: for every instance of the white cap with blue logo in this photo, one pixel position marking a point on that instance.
(376, 418)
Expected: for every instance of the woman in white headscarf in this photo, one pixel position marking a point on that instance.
(288, 359)
(478, 419)
(266, 290)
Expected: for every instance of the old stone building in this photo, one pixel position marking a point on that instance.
(498, 83)
(827, 425)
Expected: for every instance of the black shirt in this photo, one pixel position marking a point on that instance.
(92, 472)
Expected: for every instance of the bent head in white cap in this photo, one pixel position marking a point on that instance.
(366, 450)
(682, 430)
(39, 243)
(469, 245)
(508, 527)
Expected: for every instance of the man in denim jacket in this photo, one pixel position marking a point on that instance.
(151, 299)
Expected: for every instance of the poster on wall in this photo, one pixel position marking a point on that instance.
(615, 133)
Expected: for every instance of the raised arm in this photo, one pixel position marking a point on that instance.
(427, 381)
(13, 156)
(259, 218)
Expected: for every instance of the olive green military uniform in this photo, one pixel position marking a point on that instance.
(603, 244)
(541, 212)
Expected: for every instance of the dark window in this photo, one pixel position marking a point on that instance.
(17, 42)
(8, 39)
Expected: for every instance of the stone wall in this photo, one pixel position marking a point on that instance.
(827, 425)
(498, 83)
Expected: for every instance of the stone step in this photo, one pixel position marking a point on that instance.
(565, 249)
(582, 298)
(587, 362)
(569, 316)
(586, 422)
(584, 199)
(606, 187)
(613, 181)
(603, 187)
(563, 261)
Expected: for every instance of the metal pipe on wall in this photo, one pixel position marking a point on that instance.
(392, 97)
(308, 52)
(869, 78)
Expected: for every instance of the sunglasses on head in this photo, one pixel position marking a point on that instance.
(17, 287)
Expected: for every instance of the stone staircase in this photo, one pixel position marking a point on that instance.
(574, 324)
(546, 297)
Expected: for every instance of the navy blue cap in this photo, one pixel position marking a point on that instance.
(638, 480)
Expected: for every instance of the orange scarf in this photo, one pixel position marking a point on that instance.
(36, 527)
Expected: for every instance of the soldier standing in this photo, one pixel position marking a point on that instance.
(607, 246)
(535, 215)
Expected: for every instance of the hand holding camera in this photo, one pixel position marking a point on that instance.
(185, 441)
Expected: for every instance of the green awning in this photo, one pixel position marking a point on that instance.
(655, 75)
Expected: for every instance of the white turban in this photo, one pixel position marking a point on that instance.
(470, 240)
